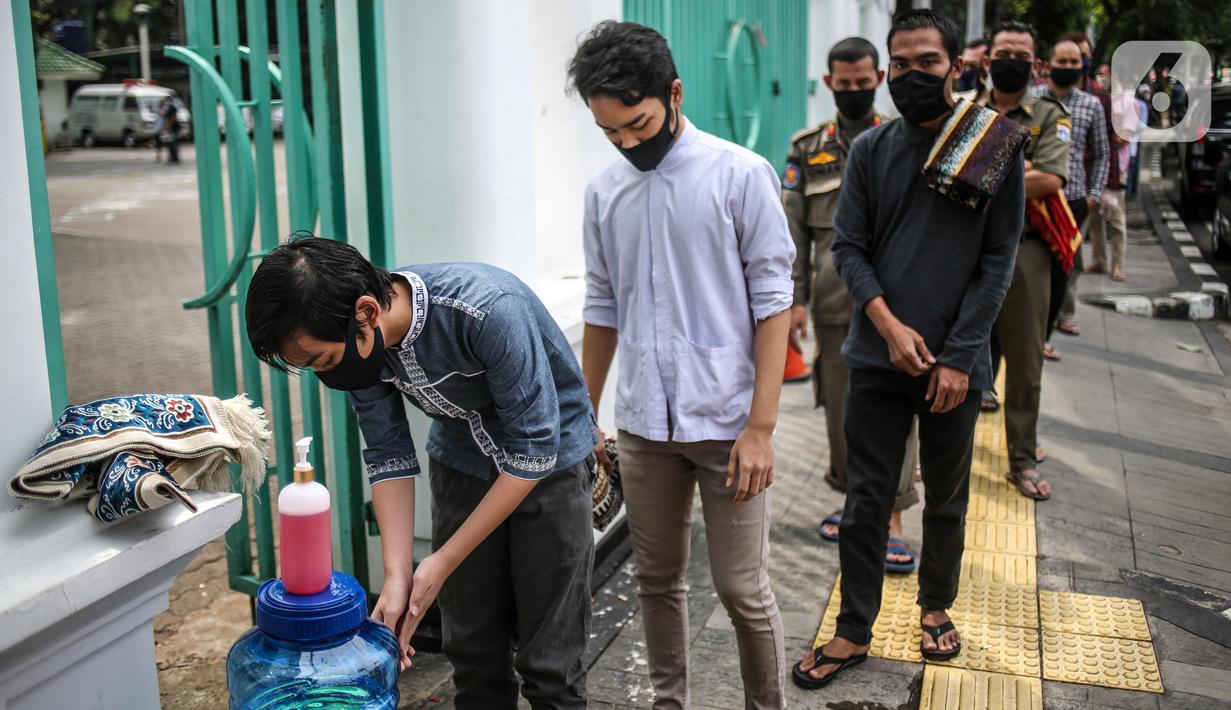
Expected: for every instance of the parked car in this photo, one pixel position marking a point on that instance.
(1222, 210)
(275, 119)
(120, 113)
(1197, 162)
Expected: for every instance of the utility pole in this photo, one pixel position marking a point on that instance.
(142, 11)
(974, 19)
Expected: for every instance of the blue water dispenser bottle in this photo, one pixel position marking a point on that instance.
(314, 651)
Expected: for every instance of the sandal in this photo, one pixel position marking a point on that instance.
(804, 678)
(897, 546)
(1117, 274)
(1040, 454)
(833, 519)
(1049, 353)
(936, 632)
(1018, 478)
(1096, 269)
(1068, 327)
(989, 403)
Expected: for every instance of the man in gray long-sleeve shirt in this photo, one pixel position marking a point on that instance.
(927, 276)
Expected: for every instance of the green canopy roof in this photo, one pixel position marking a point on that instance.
(52, 61)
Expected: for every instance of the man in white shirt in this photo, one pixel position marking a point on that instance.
(688, 270)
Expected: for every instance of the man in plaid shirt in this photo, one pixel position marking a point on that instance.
(1088, 164)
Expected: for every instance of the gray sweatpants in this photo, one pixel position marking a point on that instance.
(521, 600)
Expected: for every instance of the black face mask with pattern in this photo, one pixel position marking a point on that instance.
(354, 371)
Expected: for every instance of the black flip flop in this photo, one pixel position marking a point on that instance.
(803, 678)
(936, 632)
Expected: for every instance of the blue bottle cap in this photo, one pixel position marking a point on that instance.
(340, 608)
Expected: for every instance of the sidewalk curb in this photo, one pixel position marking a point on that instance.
(1201, 295)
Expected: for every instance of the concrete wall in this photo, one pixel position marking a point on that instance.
(23, 360)
(489, 158)
(832, 20)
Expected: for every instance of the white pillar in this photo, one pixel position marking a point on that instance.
(23, 359)
(79, 597)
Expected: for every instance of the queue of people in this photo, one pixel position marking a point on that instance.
(921, 248)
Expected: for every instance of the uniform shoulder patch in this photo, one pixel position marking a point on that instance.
(790, 177)
(805, 133)
(822, 158)
(1064, 130)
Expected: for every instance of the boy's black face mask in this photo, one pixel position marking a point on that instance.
(646, 155)
(354, 371)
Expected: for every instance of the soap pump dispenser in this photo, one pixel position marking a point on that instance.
(304, 529)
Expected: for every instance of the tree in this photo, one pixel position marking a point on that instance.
(109, 23)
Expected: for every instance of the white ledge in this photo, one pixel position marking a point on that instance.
(56, 559)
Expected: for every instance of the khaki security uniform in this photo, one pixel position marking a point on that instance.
(1022, 324)
(811, 185)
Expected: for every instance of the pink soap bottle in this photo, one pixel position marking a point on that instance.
(303, 516)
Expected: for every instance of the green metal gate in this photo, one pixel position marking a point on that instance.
(221, 68)
(743, 64)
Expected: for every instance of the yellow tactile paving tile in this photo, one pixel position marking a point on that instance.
(998, 649)
(991, 486)
(993, 604)
(987, 460)
(1086, 639)
(1097, 660)
(1092, 615)
(1000, 537)
(1016, 510)
(960, 689)
(989, 438)
(994, 568)
(894, 636)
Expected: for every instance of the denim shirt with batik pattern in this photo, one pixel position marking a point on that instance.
(486, 361)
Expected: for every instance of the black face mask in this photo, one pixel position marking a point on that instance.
(355, 372)
(854, 104)
(919, 96)
(1010, 75)
(1064, 77)
(646, 155)
(968, 80)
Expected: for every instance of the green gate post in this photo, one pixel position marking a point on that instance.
(315, 177)
(40, 213)
(200, 25)
(259, 80)
(344, 433)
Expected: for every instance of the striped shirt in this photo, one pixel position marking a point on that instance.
(1089, 134)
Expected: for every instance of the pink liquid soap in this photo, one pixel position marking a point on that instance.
(307, 552)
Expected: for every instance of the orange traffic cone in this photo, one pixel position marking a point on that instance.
(796, 369)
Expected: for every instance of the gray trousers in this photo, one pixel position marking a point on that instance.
(833, 375)
(521, 600)
(661, 479)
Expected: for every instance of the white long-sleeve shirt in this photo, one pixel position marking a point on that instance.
(682, 261)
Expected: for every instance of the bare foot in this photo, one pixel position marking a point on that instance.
(948, 640)
(836, 648)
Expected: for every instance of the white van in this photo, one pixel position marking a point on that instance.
(119, 113)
